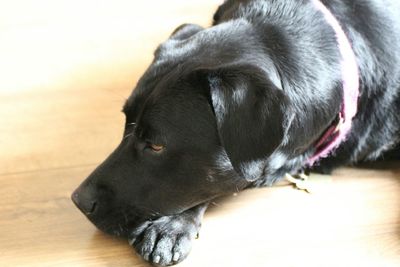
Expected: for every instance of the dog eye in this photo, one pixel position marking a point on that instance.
(155, 148)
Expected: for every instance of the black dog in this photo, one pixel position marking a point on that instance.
(263, 92)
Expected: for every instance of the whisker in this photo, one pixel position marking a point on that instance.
(125, 217)
(126, 136)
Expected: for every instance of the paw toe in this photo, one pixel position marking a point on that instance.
(145, 246)
(163, 250)
(181, 249)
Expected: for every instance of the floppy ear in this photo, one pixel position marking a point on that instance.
(185, 31)
(250, 114)
(178, 36)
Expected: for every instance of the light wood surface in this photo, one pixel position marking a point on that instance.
(66, 68)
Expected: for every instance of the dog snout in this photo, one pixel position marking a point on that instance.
(84, 200)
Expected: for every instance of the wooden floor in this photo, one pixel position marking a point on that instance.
(66, 68)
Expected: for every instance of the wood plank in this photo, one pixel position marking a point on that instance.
(66, 69)
(355, 220)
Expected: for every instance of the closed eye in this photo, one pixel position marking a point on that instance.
(157, 148)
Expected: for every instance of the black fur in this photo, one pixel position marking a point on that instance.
(238, 105)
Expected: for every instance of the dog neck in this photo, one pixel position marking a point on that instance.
(338, 131)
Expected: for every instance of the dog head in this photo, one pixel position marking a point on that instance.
(206, 119)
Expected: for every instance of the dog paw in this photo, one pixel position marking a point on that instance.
(166, 240)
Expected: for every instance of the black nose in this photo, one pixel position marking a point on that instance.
(84, 202)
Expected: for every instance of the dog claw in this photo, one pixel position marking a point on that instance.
(146, 256)
(131, 241)
(157, 259)
(176, 256)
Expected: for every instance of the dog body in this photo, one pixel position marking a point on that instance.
(238, 105)
(373, 30)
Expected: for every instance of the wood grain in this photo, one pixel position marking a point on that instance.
(66, 68)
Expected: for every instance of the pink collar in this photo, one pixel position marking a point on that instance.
(337, 133)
